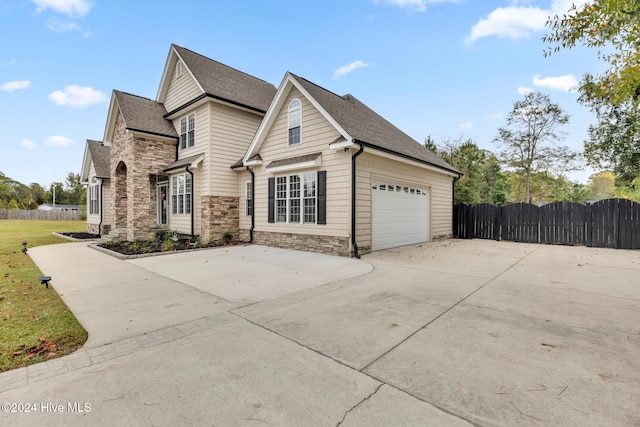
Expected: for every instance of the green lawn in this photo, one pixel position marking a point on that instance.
(35, 325)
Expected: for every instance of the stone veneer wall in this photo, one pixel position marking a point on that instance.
(144, 158)
(305, 242)
(103, 229)
(219, 214)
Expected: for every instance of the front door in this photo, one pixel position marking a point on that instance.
(163, 206)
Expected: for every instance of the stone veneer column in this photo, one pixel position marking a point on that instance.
(219, 215)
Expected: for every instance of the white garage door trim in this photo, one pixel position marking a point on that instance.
(400, 215)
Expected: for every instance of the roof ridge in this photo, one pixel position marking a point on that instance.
(317, 85)
(137, 96)
(221, 63)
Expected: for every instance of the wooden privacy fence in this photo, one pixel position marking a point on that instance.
(38, 214)
(610, 223)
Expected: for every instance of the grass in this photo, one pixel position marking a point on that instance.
(35, 324)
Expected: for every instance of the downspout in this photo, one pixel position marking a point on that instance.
(253, 207)
(193, 237)
(353, 199)
(453, 204)
(100, 223)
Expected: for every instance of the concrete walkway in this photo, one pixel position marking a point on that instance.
(449, 333)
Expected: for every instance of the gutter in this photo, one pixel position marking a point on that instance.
(192, 202)
(253, 207)
(353, 198)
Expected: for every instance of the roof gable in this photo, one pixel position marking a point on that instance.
(218, 80)
(352, 119)
(139, 114)
(99, 154)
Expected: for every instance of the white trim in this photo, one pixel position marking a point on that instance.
(86, 165)
(186, 118)
(401, 159)
(297, 166)
(111, 117)
(252, 163)
(287, 83)
(341, 145)
(165, 81)
(151, 135)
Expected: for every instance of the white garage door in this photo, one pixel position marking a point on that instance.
(400, 215)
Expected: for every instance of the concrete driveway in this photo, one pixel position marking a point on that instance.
(447, 333)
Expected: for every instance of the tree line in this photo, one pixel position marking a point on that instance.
(16, 195)
(530, 164)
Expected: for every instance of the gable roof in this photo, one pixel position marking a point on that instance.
(100, 157)
(218, 80)
(144, 115)
(355, 121)
(99, 154)
(368, 127)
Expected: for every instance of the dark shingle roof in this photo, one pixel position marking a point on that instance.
(367, 126)
(227, 83)
(182, 162)
(144, 114)
(100, 157)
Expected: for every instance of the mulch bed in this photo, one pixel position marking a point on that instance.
(82, 235)
(149, 247)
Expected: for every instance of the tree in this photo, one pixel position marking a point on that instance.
(614, 143)
(76, 193)
(528, 142)
(431, 145)
(601, 185)
(483, 181)
(612, 27)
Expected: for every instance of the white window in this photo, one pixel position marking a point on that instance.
(249, 199)
(181, 194)
(295, 119)
(296, 198)
(178, 68)
(94, 199)
(188, 131)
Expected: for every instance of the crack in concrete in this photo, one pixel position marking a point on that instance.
(358, 404)
(447, 310)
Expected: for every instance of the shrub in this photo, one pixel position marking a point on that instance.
(227, 237)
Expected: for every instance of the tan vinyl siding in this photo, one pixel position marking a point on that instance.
(91, 218)
(317, 134)
(243, 178)
(202, 141)
(231, 133)
(107, 212)
(181, 90)
(371, 168)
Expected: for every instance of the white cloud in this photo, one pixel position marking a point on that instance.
(519, 20)
(58, 141)
(343, 71)
(12, 61)
(15, 85)
(414, 5)
(77, 96)
(67, 7)
(466, 125)
(494, 116)
(522, 90)
(28, 144)
(565, 83)
(63, 27)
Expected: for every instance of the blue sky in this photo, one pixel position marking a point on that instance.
(445, 68)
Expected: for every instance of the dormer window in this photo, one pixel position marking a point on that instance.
(295, 118)
(188, 131)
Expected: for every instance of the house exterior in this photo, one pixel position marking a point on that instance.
(295, 167)
(96, 175)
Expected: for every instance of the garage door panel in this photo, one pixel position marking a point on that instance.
(400, 217)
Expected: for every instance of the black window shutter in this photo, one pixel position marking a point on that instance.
(272, 199)
(322, 197)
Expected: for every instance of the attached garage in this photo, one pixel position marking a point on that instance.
(400, 215)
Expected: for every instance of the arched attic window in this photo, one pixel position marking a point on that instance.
(295, 120)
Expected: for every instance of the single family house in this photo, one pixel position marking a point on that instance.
(295, 166)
